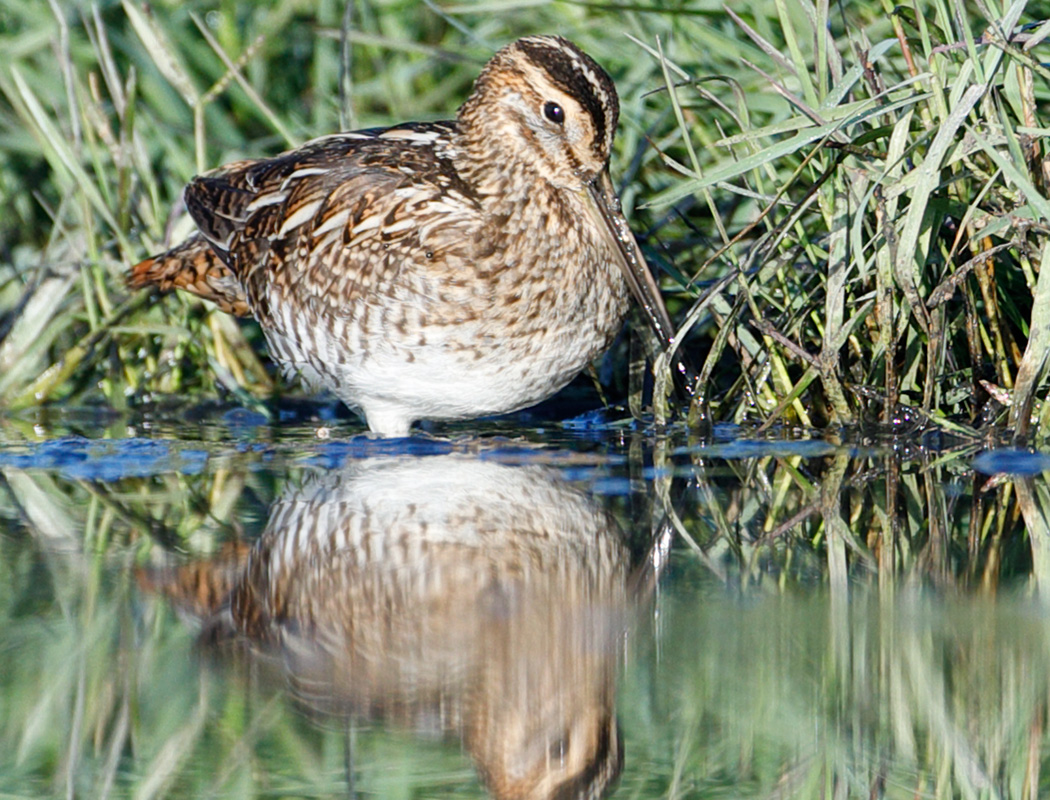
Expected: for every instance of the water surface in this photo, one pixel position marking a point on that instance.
(228, 607)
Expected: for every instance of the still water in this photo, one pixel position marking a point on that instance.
(226, 608)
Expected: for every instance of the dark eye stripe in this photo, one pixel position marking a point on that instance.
(576, 74)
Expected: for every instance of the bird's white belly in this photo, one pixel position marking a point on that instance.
(450, 377)
(452, 351)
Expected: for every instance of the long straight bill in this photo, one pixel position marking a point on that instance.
(636, 271)
(632, 262)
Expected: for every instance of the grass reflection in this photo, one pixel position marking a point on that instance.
(787, 697)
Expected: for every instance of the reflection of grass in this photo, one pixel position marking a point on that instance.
(124, 705)
(787, 521)
(876, 178)
(784, 698)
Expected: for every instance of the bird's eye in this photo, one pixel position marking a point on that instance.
(554, 112)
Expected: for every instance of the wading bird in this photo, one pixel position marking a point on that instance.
(442, 270)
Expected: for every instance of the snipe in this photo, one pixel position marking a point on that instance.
(439, 270)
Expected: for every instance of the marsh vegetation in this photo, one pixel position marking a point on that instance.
(822, 577)
(846, 207)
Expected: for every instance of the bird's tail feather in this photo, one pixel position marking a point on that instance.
(192, 266)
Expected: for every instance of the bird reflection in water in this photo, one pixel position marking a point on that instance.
(446, 595)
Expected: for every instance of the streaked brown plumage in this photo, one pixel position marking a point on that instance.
(448, 595)
(432, 270)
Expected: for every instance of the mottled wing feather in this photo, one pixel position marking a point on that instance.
(332, 220)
